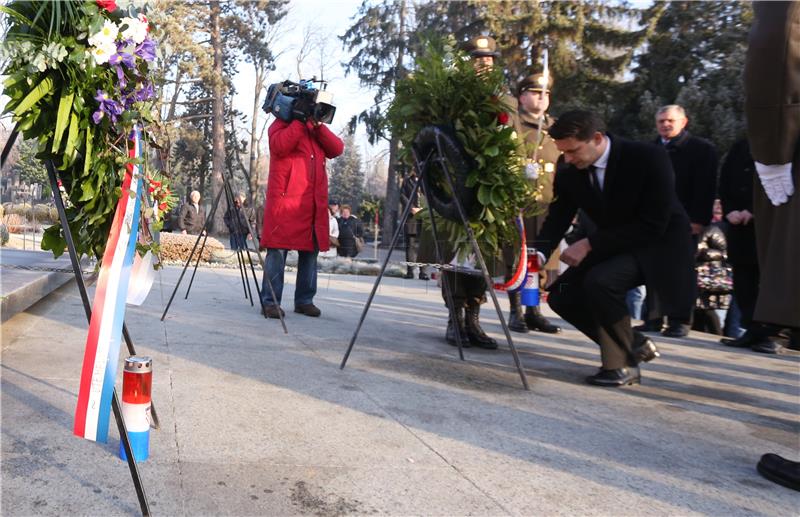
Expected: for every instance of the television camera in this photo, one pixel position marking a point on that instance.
(300, 101)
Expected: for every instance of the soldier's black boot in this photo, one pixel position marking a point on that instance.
(450, 335)
(536, 321)
(516, 318)
(477, 336)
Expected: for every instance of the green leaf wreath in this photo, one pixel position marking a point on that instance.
(444, 89)
(78, 78)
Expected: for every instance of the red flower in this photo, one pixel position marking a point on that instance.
(502, 117)
(162, 206)
(108, 5)
(152, 189)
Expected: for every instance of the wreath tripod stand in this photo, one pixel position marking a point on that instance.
(435, 156)
(241, 258)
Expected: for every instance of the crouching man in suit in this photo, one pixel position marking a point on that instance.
(642, 237)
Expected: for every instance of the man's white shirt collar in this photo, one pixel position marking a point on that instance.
(601, 163)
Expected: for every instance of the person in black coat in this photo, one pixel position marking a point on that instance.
(627, 189)
(694, 162)
(736, 195)
(238, 219)
(349, 230)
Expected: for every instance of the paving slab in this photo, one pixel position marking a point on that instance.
(27, 276)
(258, 422)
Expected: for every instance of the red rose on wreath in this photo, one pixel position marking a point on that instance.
(108, 5)
(502, 117)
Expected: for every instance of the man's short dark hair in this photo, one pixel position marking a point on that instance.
(578, 124)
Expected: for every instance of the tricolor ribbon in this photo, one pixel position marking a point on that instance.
(101, 354)
(518, 278)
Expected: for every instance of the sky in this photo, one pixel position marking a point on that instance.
(331, 19)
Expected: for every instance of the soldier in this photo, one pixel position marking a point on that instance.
(469, 291)
(533, 98)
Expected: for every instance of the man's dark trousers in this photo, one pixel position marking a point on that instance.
(592, 299)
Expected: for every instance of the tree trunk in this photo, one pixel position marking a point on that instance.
(252, 166)
(391, 212)
(218, 121)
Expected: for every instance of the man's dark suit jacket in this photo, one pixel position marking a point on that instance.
(637, 213)
(695, 163)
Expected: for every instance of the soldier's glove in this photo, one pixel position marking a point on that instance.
(531, 171)
(777, 181)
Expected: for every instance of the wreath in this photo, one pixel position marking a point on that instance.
(445, 90)
(79, 81)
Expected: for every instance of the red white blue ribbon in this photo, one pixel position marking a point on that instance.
(101, 355)
(518, 278)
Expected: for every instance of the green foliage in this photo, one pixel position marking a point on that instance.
(445, 89)
(54, 74)
(29, 168)
(4, 234)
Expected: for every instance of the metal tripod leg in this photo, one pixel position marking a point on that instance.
(395, 238)
(189, 260)
(76, 269)
(439, 258)
(484, 269)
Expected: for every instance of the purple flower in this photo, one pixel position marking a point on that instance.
(121, 76)
(124, 58)
(146, 50)
(145, 92)
(108, 106)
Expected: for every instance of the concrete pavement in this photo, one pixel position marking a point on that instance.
(256, 422)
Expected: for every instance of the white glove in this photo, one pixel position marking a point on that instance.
(531, 171)
(777, 181)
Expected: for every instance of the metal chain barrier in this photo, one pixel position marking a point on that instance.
(44, 268)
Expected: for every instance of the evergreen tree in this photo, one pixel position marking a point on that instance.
(694, 58)
(347, 176)
(380, 36)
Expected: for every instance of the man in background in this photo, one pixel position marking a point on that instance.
(192, 218)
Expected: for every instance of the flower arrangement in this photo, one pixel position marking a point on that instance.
(79, 81)
(445, 89)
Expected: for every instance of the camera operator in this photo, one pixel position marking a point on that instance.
(296, 209)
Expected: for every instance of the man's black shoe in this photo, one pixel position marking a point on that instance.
(780, 470)
(615, 378)
(409, 275)
(536, 321)
(645, 351)
(676, 330)
(271, 311)
(767, 346)
(650, 326)
(309, 309)
(423, 276)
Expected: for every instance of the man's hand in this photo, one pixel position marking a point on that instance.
(414, 210)
(183, 232)
(697, 229)
(576, 252)
(738, 217)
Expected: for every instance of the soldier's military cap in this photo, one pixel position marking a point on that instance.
(482, 46)
(535, 82)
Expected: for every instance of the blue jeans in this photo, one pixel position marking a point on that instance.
(306, 284)
(634, 299)
(238, 241)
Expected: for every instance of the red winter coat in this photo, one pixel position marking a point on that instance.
(297, 190)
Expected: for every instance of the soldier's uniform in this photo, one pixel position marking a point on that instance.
(527, 127)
